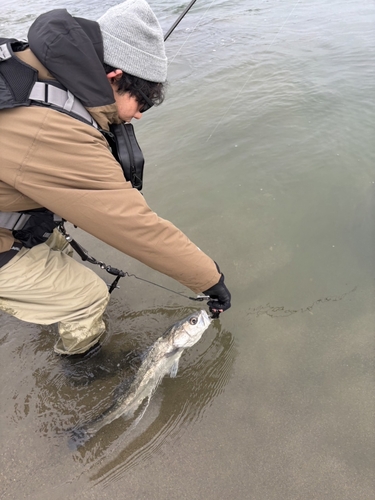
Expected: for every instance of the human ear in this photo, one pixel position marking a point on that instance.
(114, 75)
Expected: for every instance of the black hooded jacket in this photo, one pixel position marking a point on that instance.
(72, 51)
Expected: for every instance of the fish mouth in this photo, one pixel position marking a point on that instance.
(207, 320)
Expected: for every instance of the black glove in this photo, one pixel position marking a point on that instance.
(220, 297)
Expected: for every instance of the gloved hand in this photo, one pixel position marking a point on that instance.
(220, 297)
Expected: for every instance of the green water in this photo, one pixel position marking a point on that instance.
(263, 154)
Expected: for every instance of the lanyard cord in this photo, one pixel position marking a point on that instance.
(85, 256)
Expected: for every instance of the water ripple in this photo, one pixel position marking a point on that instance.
(178, 404)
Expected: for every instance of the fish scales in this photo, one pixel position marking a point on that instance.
(161, 359)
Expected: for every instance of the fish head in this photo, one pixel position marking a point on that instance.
(188, 331)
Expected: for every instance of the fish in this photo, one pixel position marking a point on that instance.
(161, 358)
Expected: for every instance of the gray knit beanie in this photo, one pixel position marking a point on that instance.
(133, 40)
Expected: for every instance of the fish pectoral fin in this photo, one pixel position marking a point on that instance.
(174, 368)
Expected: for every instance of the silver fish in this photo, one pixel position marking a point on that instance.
(162, 358)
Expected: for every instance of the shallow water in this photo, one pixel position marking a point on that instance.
(263, 154)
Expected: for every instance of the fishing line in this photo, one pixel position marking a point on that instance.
(85, 256)
(248, 78)
(177, 22)
(192, 31)
(126, 274)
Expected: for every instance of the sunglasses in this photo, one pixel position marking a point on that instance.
(145, 103)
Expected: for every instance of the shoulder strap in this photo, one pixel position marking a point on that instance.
(63, 100)
(16, 77)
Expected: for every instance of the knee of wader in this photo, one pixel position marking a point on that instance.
(97, 294)
(102, 289)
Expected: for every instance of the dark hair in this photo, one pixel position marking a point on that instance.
(132, 84)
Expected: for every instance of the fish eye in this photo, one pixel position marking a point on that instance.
(193, 321)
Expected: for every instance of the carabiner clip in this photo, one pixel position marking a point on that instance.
(200, 298)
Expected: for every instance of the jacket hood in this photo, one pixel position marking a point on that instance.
(72, 51)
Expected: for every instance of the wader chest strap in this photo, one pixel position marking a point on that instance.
(51, 95)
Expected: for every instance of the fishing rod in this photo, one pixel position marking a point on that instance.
(179, 19)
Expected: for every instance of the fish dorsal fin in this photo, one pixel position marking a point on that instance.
(174, 368)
